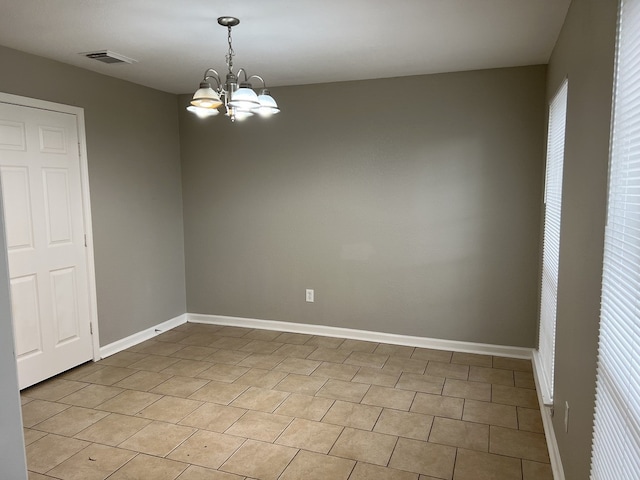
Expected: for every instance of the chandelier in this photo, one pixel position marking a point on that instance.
(239, 98)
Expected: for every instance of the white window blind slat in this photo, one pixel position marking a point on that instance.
(551, 240)
(616, 433)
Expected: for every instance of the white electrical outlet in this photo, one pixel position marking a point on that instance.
(566, 416)
(309, 295)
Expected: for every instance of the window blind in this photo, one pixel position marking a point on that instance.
(616, 436)
(551, 240)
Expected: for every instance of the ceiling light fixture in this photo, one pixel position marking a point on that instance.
(239, 98)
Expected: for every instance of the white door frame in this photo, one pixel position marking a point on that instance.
(86, 201)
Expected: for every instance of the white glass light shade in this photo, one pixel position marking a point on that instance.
(202, 112)
(236, 113)
(242, 114)
(268, 105)
(206, 97)
(244, 98)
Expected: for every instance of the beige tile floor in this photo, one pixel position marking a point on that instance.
(227, 403)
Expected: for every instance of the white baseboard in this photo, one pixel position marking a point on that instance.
(322, 330)
(325, 331)
(140, 337)
(546, 410)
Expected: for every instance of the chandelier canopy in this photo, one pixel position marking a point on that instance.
(239, 98)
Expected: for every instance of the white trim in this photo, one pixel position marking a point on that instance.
(551, 239)
(78, 112)
(140, 337)
(88, 227)
(326, 331)
(546, 411)
(37, 103)
(543, 382)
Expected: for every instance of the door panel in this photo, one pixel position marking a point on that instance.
(65, 304)
(42, 193)
(26, 316)
(52, 140)
(58, 213)
(12, 135)
(15, 189)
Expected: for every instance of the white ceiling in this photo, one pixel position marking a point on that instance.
(288, 42)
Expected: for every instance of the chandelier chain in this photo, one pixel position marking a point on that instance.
(230, 55)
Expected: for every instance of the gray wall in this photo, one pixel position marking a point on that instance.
(134, 173)
(585, 54)
(410, 205)
(13, 463)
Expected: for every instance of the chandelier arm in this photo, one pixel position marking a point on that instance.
(213, 77)
(212, 74)
(211, 70)
(264, 84)
(244, 72)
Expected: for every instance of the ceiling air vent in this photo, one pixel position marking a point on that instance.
(107, 56)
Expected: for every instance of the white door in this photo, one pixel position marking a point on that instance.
(43, 210)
